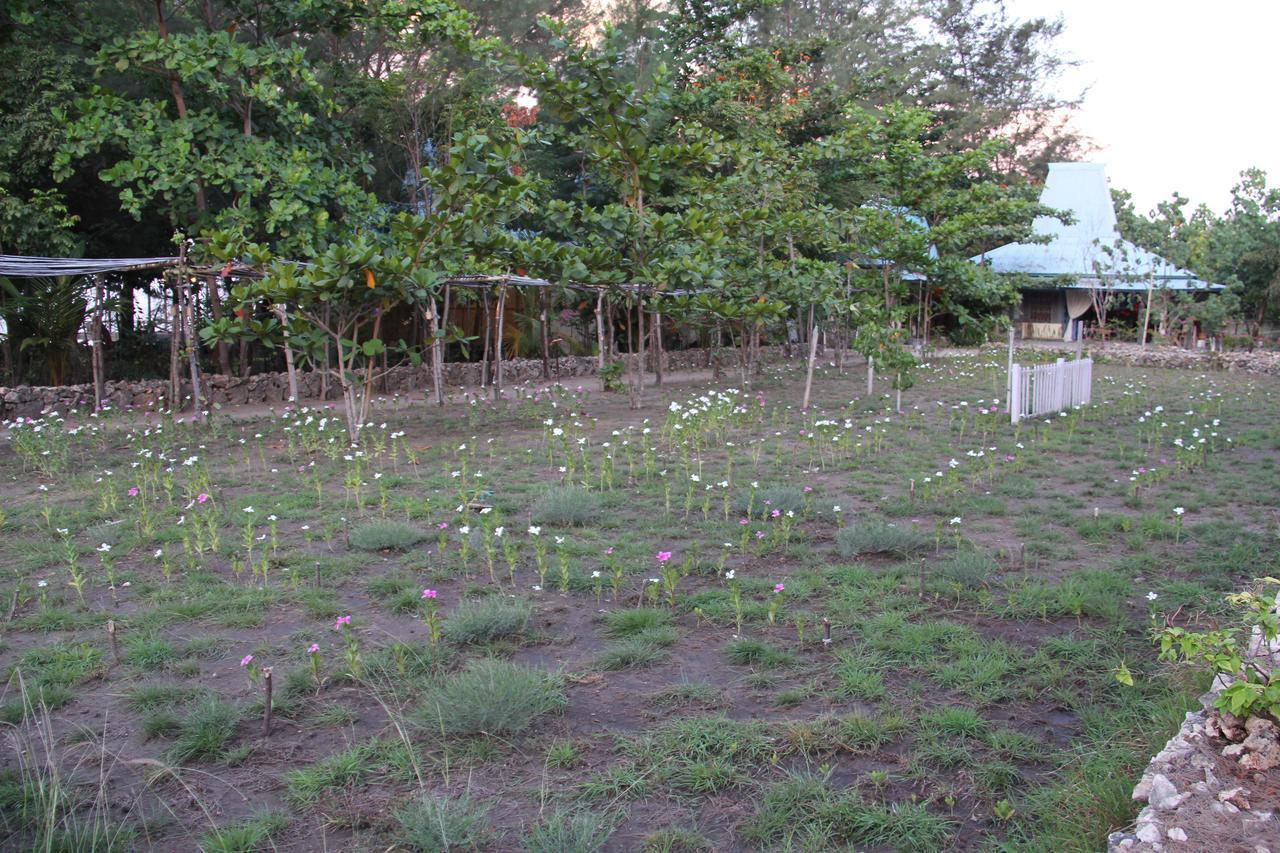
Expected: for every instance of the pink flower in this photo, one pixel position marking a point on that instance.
(808, 489)
(313, 649)
(759, 534)
(442, 525)
(428, 593)
(662, 556)
(342, 620)
(775, 513)
(608, 551)
(201, 498)
(133, 491)
(246, 660)
(777, 587)
(743, 521)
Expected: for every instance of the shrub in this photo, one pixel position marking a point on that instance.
(566, 506)
(487, 619)
(386, 536)
(569, 832)
(492, 696)
(439, 824)
(879, 537)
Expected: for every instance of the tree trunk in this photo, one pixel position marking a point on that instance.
(193, 352)
(813, 358)
(289, 367)
(544, 298)
(657, 348)
(497, 341)
(97, 344)
(488, 335)
(175, 334)
(600, 345)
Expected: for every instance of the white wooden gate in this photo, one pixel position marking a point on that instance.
(1044, 388)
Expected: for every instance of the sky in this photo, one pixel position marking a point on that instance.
(1181, 94)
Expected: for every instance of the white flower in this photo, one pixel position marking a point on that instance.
(729, 575)
(498, 531)
(272, 517)
(836, 508)
(1177, 510)
(955, 520)
(595, 574)
(464, 529)
(159, 553)
(535, 531)
(1151, 596)
(104, 548)
(248, 509)
(559, 540)
(42, 584)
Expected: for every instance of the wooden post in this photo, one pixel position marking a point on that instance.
(1009, 369)
(497, 344)
(813, 357)
(266, 705)
(871, 374)
(111, 635)
(1015, 393)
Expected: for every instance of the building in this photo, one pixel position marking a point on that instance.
(1084, 265)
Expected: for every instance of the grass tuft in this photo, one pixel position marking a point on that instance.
(879, 537)
(386, 536)
(566, 506)
(490, 696)
(487, 619)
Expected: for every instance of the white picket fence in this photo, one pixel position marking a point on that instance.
(1044, 388)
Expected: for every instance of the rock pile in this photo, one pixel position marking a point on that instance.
(1216, 783)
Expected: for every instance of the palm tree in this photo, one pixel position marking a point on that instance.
(45, 316)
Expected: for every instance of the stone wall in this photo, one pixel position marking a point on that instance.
(269, 388)
(1236, 361)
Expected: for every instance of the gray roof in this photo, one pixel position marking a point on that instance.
(1090, 249)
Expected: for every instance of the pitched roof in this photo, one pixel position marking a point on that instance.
(1090, 249)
